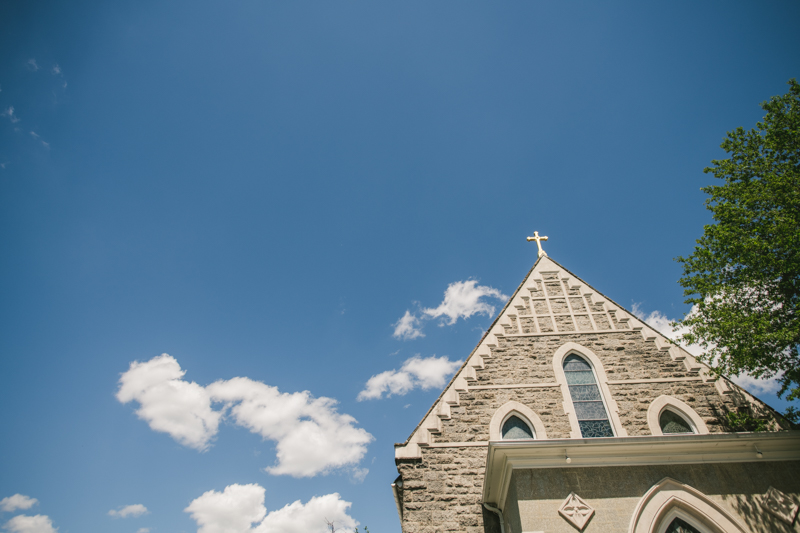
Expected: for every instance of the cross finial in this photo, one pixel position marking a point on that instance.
(538, 242)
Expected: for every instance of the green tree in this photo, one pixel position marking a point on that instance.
(743, 278)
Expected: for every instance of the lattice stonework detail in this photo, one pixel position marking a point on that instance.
(576, 511)
(553, 304)
(781, 505)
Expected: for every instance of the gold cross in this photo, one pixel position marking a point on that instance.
(538, 242)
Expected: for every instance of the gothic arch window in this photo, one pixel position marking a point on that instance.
(515, 428)
(590, 410)
(673, 507)
(588, 403)
(514, 420)
(670, 416)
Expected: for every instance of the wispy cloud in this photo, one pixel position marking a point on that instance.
(143, 530)
(408, 327)
(311, 436)
(17, 502)
(30, 524)
(56, 71)
(134, 510)
(358, 475)
(240, 509)
(415, 373)
(9, 112)
(659, 322)
(32, 65)
(462, 299)
(38, 138)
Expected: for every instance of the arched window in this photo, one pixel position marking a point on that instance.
(672, 507)
(671, 423)
(589, 407)
(514, 420)
(515, 428)
(670, 416)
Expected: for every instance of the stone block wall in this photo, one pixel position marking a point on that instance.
(529, 360)
(442, 490)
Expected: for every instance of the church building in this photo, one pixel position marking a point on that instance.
(573, 415)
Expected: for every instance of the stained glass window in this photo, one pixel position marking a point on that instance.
(679, 526)
(589, 407)
(672, 422)
(515, 428)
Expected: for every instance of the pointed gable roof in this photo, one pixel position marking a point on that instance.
(551, 300)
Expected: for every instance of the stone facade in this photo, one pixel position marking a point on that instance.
(442, 492)
(442, 465)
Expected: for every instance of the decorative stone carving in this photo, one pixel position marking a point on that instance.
(576, 511)
(781, 505)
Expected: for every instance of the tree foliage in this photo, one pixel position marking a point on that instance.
(743, 278)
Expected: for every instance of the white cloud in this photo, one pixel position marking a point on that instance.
(46, 144)
(312, 436)
(16, 502)
(33, 65)
(169, 404)
(34, 135)
(143, 530)
(136, 509)
(56, 70)
(9, 112)
(416, 372)
(233, 510)
(659, 322)
(757, 385)
(240, 509)
(30, 524)
(407, 328)
(310, 517)
(462, 299)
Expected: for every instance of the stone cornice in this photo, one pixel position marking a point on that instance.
(505, 457)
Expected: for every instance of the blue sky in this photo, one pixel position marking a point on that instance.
(262, 190)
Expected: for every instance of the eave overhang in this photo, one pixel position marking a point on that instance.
(504, 457)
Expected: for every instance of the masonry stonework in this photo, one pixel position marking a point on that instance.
(442, 487)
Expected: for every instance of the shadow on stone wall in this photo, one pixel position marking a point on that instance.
(757, 519)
